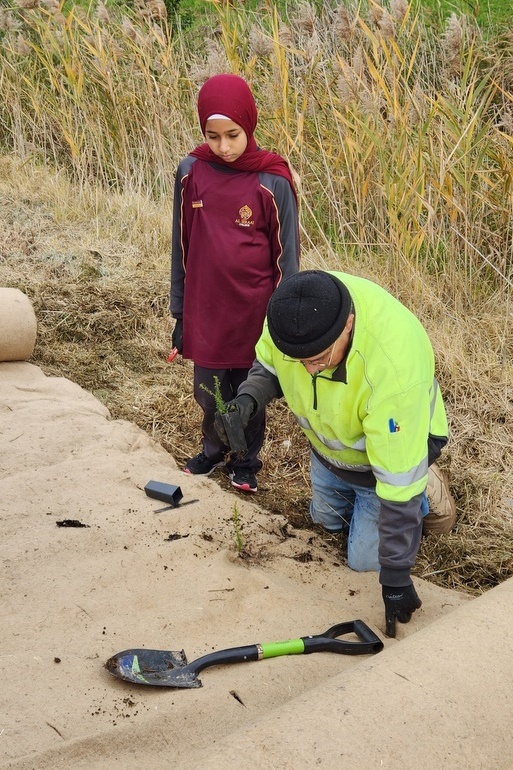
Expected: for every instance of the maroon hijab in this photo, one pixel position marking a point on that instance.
(230, 95)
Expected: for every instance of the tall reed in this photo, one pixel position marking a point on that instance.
(400, 139)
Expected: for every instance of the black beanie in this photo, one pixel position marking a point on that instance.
(307, 312)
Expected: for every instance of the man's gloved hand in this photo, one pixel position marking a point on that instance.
(244, 405)
(177, 336)
(400, 604)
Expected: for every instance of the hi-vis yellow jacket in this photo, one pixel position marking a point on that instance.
(377, 409)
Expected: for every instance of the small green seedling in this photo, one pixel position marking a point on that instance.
(216, 395)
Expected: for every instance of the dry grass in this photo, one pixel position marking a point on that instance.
(99, 283)
(401, 139)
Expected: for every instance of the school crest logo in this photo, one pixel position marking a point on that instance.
(244, 219)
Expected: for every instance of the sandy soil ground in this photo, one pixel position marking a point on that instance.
(137, 576)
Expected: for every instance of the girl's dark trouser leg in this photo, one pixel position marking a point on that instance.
(254, 432)
(213, 447)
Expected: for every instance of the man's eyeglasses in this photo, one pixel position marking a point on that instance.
(318, 362)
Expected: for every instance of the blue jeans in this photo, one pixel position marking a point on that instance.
(340, 506)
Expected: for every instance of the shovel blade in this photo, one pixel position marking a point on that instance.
(160, 668)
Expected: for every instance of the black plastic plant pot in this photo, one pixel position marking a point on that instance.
(235, 432)
(168, 493)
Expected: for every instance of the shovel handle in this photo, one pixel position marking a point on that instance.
(326, 642)
(231, 655)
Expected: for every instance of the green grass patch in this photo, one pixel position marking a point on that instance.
(487, 13)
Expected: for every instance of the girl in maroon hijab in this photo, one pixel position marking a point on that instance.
(235, 236)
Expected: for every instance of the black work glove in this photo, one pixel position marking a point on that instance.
(177, 336)
(400, 604)
(244, 406)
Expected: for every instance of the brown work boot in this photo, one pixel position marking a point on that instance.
(442, 508)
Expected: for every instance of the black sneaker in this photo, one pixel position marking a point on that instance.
(243, 479)
(201, 465)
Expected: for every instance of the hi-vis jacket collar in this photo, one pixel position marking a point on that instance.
(340, 373)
